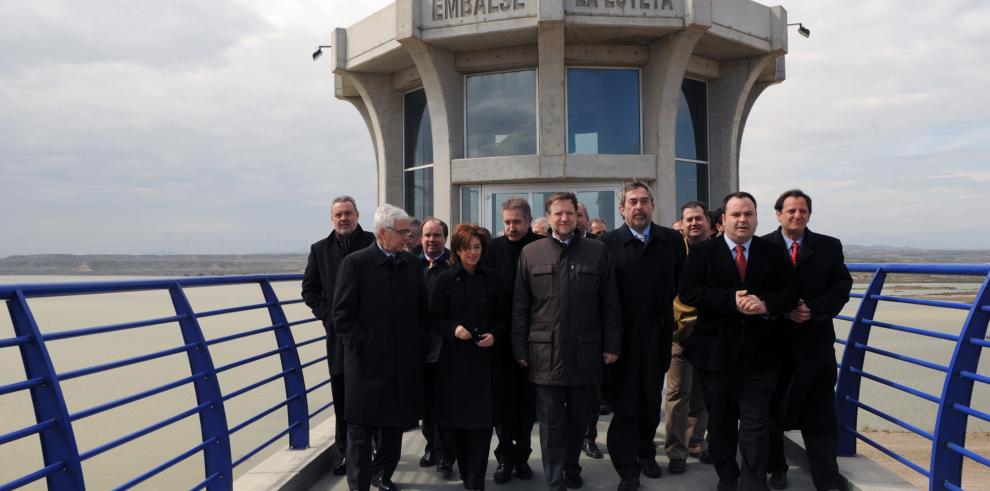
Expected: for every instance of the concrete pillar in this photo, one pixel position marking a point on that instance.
(382, 104)
(444, 87)
(728, 103)
(551, 95)
(662, 77)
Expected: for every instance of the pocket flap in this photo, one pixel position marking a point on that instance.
(540, 336)
(541, 269)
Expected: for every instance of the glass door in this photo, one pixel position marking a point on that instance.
(600, 199)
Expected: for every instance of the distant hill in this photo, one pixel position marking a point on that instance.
(231, 264)
(152, 265)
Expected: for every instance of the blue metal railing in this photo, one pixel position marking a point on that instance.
(948, 440)
(54, 422)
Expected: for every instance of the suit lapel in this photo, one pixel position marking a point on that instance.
(725, 262)
(807, 248)
(757, 256)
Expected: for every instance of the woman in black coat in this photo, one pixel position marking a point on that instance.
(470, 306)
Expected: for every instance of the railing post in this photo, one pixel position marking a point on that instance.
(212, 420)
(853, 357)
(950, 425)
(295, 385)
(58, 443)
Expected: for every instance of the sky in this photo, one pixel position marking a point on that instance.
(136, 127)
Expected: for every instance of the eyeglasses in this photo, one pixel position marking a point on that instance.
(400, 231)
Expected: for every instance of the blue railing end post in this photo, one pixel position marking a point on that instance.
(295, 383)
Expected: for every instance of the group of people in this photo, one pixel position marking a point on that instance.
(500, 333)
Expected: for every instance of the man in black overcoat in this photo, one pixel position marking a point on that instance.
(317, 291)
(380, 315)
(738, 283)
(434, 258)
(515, 397)
(805, 395)
(648, 259)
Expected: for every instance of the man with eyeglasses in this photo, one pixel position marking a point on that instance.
(380, 316)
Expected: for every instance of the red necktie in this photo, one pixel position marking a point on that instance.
(431, 260)
(794, 253)
(741, 262)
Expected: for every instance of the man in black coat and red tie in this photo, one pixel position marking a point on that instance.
(738, 283)
(380, 315)
(317, 291)
(805, 395)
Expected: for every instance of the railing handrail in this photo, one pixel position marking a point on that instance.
(944, 470)
(62, 458)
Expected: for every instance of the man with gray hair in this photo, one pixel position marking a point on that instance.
(317, 291)
(380, 315)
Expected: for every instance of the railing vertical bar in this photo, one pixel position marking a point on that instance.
(950, 424)
(853, 357)
(213, 420)
(58, 443)
(295, 385)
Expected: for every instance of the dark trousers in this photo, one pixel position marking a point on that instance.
(592, 432)
(359, 464)
(516, 416)
(431, 417)
(739, 415)
(340, 433)
(819, 429)
(471, 450)
(563, 415)
(635, 419)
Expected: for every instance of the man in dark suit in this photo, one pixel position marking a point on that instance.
(317, 291)
(515, 398)
(648, 259)
(379, 316)
(738, 283)
(805, 394)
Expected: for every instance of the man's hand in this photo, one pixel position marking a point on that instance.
(523, 363)
(800, 314)
(461, 333)
(487, 340)
(609, 358)
(749, 304)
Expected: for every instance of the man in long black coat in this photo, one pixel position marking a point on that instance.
(648, 259)
(805, 395)
(515, 398)
(739, 283)
(317, 291)
(379, 316)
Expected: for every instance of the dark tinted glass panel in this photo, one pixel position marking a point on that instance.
(600, 204)
(471, 205)
(692, 182)
(419, 192)
(692, 121)
(501, 114)
(417, 137)
(603, 111)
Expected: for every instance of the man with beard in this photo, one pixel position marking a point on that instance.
(317, 291)
(805, 394)
(565, 324)
(648, 259)
(380, 315)
(514, 395)
(738, 283)
(686, 417)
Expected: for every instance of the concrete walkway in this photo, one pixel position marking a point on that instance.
(597, 474)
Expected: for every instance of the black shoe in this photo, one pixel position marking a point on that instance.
(341, 468)
(703, 456)
(384, 484)
(628, 484)
(573, 481)
(604, 409)
(778, 480)
(503, 473)
(677, 466)
(446, 469)
(427, 460)
(524, 471)
(650, 468)
(591, 449)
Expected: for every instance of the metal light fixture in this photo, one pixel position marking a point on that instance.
(804, 31)
(319, 51)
